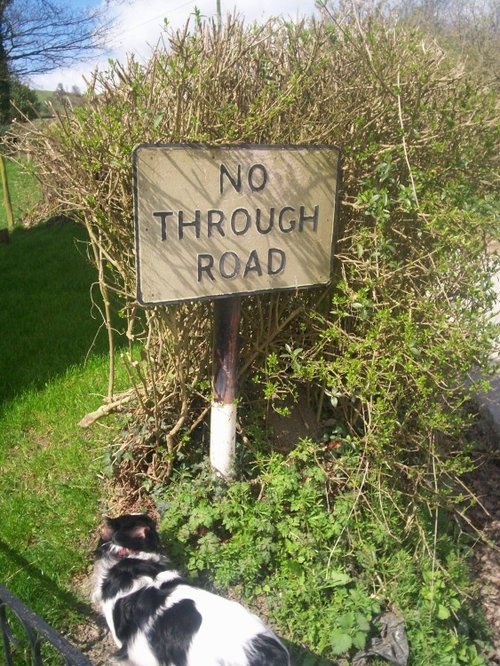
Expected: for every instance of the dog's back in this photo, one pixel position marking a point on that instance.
(158, 619)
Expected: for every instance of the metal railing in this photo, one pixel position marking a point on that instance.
(37, 632)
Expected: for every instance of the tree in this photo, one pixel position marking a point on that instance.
(25, 103)
(4, 77)
(38, 36)
(470, 29)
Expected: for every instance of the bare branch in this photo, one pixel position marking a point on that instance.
(41, 35)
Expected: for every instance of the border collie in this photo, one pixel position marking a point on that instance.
(156, 618)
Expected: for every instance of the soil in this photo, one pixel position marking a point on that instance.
(485, 483)
(95, 641)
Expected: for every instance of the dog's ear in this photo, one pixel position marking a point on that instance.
(107, 529)
(143, 527)
(151, 522)
(141, 533)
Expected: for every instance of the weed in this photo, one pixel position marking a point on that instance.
(318, 543)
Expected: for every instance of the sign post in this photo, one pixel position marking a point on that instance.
(219, 222)
(225, 374)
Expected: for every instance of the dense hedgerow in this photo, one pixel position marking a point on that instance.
(382, 353)
(388, 344)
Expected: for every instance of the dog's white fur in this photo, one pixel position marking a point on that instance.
(224, 637)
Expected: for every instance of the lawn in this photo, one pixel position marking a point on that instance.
(47, 322)
(53, 369)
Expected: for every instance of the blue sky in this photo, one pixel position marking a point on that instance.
(137, 27)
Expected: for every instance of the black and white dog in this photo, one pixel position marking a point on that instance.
(158, 619)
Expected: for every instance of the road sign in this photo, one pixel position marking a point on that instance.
(214, 221)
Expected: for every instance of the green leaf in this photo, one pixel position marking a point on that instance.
(359, 640)
(346, 621)
(337, 578)
(158, 120)
(443, 613)
(363, 622)
(340, 642)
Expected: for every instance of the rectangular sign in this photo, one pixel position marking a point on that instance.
(226, 220)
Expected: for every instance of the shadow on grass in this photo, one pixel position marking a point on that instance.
(47, 320)
(46, 585)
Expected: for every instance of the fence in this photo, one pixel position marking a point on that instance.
(37, 631)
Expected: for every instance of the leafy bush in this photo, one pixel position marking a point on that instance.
(296, 539)
(390, 341)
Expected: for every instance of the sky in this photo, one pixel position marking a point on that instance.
(138, 26)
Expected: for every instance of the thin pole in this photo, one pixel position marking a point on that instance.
(7, 202)
(227, 312)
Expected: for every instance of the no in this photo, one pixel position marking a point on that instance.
(257, 178)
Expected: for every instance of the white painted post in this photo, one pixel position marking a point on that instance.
(223, 410)
(223, 438)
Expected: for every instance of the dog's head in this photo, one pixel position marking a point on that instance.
(130, 532)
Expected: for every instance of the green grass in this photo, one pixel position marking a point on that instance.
(46, 321)
(24, 192)
(49, 490)
(53, 369)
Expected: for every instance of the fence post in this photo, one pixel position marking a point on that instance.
(7, 202)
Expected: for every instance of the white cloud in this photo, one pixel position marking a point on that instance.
(138, 26)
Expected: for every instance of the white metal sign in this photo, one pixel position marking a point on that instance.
(226, 220)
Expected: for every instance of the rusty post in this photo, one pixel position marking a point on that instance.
(225, 370)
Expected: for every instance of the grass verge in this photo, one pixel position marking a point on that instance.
(46, 319)
(53, 369)
(50, 492)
